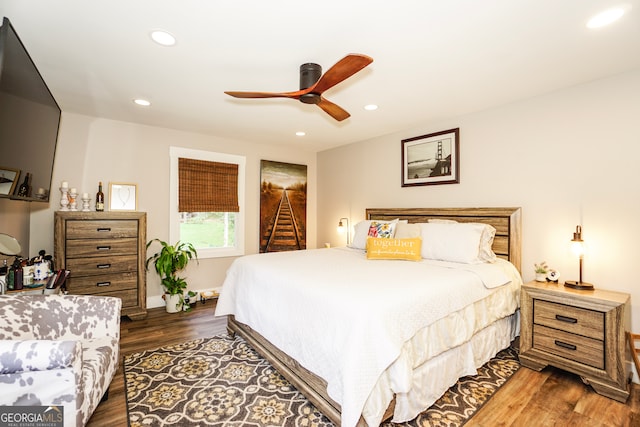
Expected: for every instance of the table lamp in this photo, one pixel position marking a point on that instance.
(577, 247)
(341, 228)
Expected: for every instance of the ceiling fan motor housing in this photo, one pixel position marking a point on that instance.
(309, 75)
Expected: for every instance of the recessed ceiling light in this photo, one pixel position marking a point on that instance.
(142, 102)
(371, 107)
(607, 17)
(300, 133)
(162, 37)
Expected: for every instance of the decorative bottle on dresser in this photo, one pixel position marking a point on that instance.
(100, 199)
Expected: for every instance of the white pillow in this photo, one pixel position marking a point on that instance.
(407, 231)
(451, 241)
(485, 253)
(361, 232)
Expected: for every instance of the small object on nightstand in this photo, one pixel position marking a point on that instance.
(541, 271)
(553, 276)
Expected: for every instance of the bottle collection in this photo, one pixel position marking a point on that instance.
(26, 190)
(69, 199)
(27, 272)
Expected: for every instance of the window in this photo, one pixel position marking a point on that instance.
(213, 224)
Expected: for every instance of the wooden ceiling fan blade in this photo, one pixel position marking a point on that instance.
(293, 95)
(333, 110)
(342, 70)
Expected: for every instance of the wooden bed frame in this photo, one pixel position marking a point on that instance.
(507, 245)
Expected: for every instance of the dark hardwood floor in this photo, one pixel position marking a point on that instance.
(548, 398)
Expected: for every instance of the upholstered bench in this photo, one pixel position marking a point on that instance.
(58, 350)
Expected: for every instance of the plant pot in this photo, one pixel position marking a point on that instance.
(541, 277)
(173, 303)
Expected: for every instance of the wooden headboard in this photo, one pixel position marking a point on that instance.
(507, 222)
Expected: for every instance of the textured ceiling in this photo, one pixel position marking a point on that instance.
(433, 59)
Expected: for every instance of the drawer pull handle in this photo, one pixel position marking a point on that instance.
(565, 345)
(103, 266)
(104, 229)
(100, 284)
(566, 319)
(103, 248)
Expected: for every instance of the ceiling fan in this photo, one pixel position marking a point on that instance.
(313, 83)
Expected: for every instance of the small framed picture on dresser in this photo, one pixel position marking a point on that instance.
(123, 196)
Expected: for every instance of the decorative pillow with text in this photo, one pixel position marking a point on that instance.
(385, 248)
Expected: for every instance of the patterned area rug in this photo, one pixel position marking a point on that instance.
(221, 381)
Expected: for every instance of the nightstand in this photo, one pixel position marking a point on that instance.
(579, 331)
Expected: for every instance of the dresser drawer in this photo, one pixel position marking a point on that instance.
(129, 298)
(101, 229)
(101, 247)
(102, 265)
(102, 283)
(581, 321)
(570, 346)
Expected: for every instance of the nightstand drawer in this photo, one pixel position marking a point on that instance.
(588, 323)
(570, 346)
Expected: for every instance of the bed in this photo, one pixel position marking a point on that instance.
(394, 359)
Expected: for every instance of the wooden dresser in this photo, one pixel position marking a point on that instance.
(105, 252)
(580, 331)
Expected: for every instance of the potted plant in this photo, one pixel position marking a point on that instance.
(168, 262)
(541, 271)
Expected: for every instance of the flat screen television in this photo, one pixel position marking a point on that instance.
(29, 121)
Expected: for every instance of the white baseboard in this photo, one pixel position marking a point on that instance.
(155, 301)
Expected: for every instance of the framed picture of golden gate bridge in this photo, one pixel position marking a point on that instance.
(283, 206)
(431, 159)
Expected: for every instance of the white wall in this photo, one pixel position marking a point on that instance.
(567, 158)
(92, 149)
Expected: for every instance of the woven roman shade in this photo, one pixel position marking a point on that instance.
(205, 186)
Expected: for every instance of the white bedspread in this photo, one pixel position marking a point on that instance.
(359, 312)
